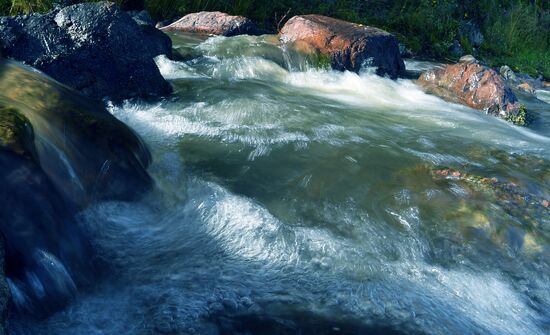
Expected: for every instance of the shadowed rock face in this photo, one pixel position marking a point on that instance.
(94, 48)
(348, 45)
(473, 85)
(4, 290)
(59, 152)
(214, 23)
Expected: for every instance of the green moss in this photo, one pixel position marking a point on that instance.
(466, 46)
(321, 60)
(522, 118)
(29, 6)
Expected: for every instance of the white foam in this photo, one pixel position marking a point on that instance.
(421, 66)
(241, 68)
(175, 70)
(543, 95)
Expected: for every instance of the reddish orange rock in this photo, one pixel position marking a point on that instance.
(473, 85)
(349, 45)
(214, 23)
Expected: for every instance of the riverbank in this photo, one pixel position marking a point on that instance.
(513, 33)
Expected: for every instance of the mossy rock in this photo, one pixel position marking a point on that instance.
(521, 118)
(107, 159)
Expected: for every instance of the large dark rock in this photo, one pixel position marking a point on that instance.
(59, 152)
(158, 42)
(128, 5)
(4, 290)
(349, 45)
(95, 48)
(214, 23)
(474, 85)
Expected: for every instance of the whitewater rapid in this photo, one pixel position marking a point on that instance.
(287, 193)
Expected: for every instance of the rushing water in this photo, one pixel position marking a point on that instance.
(297, 200)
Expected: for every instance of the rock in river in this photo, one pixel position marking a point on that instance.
(348, 45)
(95, 48)
(59, 152)
(214, 23)
(476, 86)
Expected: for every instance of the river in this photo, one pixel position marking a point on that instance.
(292, 199)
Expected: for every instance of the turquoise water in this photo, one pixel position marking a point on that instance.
(292, 199)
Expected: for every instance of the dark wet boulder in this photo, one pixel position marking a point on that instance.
(349, 46)
(214, 23)
(158, 42)
(59, 153)
(476, 86)
(4, 290)
(95, 48)
(128, 5)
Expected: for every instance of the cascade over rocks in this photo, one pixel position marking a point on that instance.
(476, 86)
(214, 23)
(59, 152)
(348, 45)
(95, 48)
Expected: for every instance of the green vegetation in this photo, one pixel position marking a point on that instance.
(517, 32)
(13, 7)
(522, 118)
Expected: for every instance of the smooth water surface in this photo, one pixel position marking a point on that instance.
(292, 199)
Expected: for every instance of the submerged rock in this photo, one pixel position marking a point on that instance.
(214, 23)
(514, 199)
(59, 152)
(348, 45)
(476, 86)
(95, 48)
